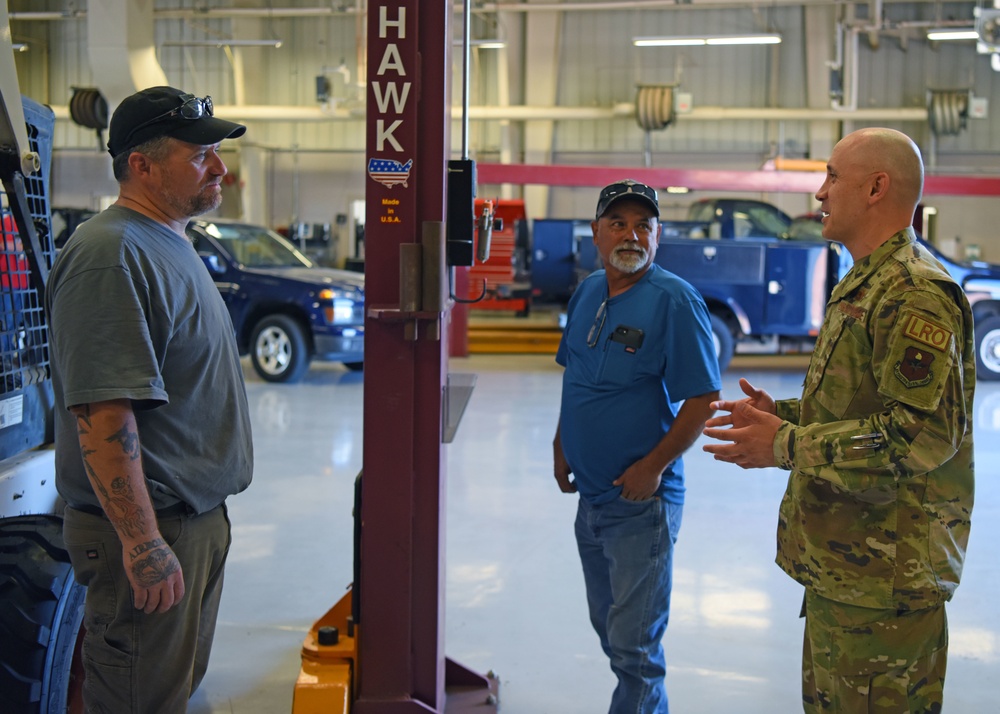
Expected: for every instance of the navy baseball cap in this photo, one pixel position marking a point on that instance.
(627, 188)
(165, 111)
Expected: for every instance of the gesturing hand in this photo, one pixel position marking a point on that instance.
(752, 426)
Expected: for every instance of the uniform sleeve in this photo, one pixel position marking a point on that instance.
(788, 410)
(920, 417)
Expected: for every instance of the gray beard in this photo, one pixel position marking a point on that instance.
(629, 262)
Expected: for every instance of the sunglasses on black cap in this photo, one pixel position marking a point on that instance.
(616, 190)
(192, 108)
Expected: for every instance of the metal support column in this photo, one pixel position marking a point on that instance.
(401, 662)
(380, 650)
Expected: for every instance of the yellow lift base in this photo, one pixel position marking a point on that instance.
(329, 661)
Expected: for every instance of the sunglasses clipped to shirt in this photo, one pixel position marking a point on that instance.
(192, 108)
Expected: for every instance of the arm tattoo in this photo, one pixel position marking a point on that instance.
(154, 568)
(122, 509)
(129, 441)
(143, 547)
(119, 504)
(83, 425)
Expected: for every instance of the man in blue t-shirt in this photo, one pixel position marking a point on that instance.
(637, 344)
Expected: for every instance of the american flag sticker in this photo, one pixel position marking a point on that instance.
(389, 172)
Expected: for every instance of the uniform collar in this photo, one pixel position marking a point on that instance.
(863, 268)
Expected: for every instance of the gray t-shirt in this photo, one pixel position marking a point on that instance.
(134, 314)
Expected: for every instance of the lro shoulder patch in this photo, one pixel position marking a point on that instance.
(921, 342)
(929, 333)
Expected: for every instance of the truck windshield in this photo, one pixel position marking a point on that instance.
(759, 220)
(256, 246)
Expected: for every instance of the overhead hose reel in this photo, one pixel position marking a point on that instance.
(947, 111)
(89, 109)
(654, 106)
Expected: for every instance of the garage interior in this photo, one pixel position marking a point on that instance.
(554, 98)
(515, 602)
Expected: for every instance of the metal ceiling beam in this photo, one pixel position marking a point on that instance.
(308, 114)
(598, 5)
(710, 180)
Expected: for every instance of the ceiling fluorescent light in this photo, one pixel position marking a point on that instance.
(668, 41)
(744, 40)
(483, 44)
(956, 34)
(695, 40)
(222, 43)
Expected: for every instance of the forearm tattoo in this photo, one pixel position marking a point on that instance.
(129, 440)
(120, 503)
(83, 420)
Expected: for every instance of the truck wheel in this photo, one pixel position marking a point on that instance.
(723, 339)
(41, 613)
(278, 349)
(988, 348)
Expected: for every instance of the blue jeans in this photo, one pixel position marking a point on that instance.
(626, 548)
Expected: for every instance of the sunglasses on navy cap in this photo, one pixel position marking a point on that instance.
(192, 108)
(612, 192)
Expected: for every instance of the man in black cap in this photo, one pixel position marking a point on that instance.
(637, 343)
(152, 425)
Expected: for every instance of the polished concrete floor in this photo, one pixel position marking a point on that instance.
(515, 600)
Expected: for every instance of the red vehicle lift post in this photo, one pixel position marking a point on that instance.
(386, 654)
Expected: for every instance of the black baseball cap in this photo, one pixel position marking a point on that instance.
(166, 111)
(627, 188)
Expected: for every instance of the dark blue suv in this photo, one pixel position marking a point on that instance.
(286, 310)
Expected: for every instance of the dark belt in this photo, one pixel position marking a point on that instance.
(178, 509)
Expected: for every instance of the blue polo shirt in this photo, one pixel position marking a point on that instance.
(618, 400)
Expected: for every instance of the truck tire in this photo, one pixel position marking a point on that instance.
(988, 348)
(278, 349)
(724, 343)
(41, 613)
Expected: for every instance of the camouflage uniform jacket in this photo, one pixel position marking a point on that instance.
(877, 509)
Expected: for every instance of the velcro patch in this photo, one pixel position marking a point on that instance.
(927, 333)
(851, 310)
(914, 370)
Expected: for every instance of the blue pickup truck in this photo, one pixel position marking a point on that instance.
(765, 278)
(286, 311)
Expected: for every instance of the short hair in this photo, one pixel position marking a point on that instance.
(157, 149)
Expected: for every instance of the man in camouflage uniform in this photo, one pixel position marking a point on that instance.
(875, 519)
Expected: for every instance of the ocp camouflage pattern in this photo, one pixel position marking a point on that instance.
(878, 504)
